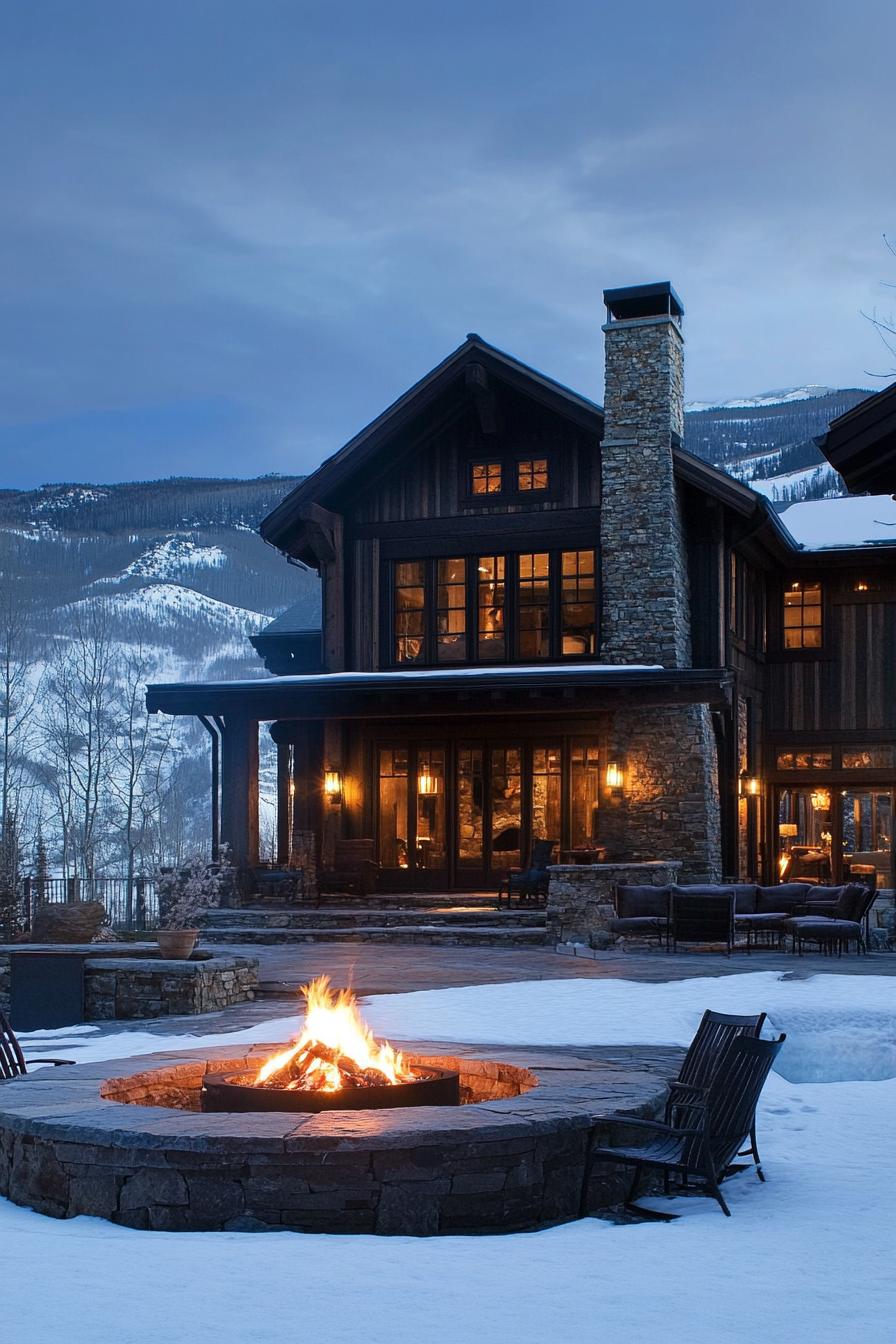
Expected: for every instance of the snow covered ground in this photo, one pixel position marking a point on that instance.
(806, 1257)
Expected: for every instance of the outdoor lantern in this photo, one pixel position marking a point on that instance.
(428, 783)
(614, 778)
(749, 786)
(333, 786)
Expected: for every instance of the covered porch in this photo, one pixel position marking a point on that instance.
(453, 774)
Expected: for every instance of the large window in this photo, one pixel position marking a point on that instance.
(802, 616)
(491, 604)
(534, 606)
(577, 602)
(410, 612)
(494, 608)
(451, 611)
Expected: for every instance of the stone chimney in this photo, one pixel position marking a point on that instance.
(645, 611)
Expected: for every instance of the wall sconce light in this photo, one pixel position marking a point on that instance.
(428, 784)
(333, 786)
(748, 786)
(615, 779)
(861, 586)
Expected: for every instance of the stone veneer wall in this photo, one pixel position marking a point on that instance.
(669, 808)
(118, 988)
(580, 897)
(645, 614)
(670, 805)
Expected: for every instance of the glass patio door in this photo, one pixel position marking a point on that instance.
(412, 812)
(866, 828)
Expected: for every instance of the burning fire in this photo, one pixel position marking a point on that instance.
(336, 1048)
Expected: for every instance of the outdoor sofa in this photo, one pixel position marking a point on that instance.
(829, 916)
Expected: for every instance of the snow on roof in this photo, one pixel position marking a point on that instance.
(311, 679)
(855, 520)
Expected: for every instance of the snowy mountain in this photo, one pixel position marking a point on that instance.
(178, 564)
(769, 440)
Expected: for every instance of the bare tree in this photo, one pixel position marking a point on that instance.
(18, 695)
(885, 326)
(141, 765)
(80, 724)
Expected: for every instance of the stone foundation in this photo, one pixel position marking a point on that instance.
(580, 897)
(143, 986)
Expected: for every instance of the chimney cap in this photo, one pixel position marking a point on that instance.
(656, 300)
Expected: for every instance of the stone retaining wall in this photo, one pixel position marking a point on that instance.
(580, 897)
(127, 986)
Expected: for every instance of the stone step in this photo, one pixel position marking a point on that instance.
(389, 900)
(347, 918)
(434, 935)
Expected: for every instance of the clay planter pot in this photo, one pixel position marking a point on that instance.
(176, 944)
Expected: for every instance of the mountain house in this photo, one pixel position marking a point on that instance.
(543, 618)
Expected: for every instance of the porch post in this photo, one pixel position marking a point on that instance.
(213, 727)
(239, 789)
(284, 803)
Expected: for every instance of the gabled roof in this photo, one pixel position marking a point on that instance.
(337, 470)
(861, 444)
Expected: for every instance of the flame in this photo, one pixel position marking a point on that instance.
(336, 1048)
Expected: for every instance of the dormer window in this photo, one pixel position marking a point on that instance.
(532, 474)
(486, 478)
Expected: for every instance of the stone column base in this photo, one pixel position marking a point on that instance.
(580, 897)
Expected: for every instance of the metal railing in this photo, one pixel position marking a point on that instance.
(130, 904)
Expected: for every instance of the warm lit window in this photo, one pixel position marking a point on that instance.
(451, 611)
(534, 605)
(802, 616)
(804, 760)
(577, 603)
(410, 612)
(485, 478)
(880, 757)
(532, 474)
(491, 594)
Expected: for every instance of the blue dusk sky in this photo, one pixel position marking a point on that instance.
(233, 232)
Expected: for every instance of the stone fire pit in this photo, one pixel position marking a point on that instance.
(124, 1140)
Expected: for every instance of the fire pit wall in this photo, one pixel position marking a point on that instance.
(580, 897)
(125, 1142)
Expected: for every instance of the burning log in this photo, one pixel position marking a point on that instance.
(335, 1051)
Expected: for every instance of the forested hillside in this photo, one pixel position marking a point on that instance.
(769, 440)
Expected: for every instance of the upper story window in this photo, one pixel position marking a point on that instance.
(532, 474)
(802, 616)
(451, 611)
(534, 606)
(491, 595)
(578, 598)
(510, 476)
(410, 611)
(494, 608)
(486, 478)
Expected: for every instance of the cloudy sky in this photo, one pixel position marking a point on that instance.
(234, 230)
